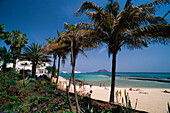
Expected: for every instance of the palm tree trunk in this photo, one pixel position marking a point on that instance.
(54, 67)
(24, 76)
(113, 77)
(14, 55)
(58, 68)
(73, 69)
(33, 69)
(68, 96)
(14, 62)
(75, 92)
(4, 68)
(14, 59)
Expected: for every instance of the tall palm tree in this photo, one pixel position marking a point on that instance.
(57, 50)
(34, 53)
(77, 41)
(54, 53)
(5, 57)
(17, 41)
(133, 27)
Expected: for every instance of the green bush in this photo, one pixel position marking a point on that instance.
(33, 104)
(32, 80)
(9, 106)
(33, 99)
(12, 82)
(13, 74)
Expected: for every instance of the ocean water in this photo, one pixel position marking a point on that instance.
(149, 80)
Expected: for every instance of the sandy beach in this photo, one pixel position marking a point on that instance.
(152, 100)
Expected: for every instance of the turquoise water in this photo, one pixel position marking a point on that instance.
(122, 79)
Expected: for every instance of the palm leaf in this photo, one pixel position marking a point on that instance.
(128, 3)
(88, 6)
(156, 30)
(156, 3)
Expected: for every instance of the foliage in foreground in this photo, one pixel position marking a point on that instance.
(42, 96)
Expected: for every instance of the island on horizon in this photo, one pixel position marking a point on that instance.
(102, 71)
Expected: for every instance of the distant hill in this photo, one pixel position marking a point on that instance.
(102, 70)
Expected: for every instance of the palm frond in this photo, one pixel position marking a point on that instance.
(156, 30)
(166, 14)
(58, 33)
(86, 26)
(156, 3)
(49, 40)
(88, 6)
(81, 50)
(112, 8)
(128, 3)
(156, 20)
(132, 17)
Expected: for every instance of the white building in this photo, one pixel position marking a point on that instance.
(40, 70)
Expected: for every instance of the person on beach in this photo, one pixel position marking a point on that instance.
(88, 94)
(166, 91)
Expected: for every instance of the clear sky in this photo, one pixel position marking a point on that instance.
(39, 19)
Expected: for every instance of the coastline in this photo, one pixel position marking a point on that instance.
(154, 101)
(158, 79)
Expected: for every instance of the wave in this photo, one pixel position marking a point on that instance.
(102, 75)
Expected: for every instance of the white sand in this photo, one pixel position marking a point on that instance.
(154, 102)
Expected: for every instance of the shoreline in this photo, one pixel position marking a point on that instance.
(152, 100)
(140, 78)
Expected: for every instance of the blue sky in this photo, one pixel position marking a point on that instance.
(39, 19)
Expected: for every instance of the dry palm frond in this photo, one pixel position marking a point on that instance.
(88, 6)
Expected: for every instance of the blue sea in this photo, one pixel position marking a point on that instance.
(125, 79)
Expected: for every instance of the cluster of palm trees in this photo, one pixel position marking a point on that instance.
(133, 27)
(17, 41)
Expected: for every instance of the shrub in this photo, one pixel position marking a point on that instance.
(9, 106)
(55, 106)
(13, 74)
(32, 80)
(12, 82)
(13, 91)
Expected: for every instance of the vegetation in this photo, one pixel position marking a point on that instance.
(38, 97)
(49, 69)
(133, 27)
(5, 58)
(17, 41)
(34, 53)
(56, 49)
(77, 42)
(2, 32)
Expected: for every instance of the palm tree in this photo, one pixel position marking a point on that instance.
(5, 57)
(17, 41)
(133, 27)
(34, 53)
(54, 56)
(62, 53)
(2, 31)
(55, 48)
(49, 69)
(77, 41)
